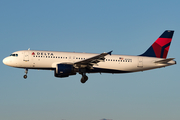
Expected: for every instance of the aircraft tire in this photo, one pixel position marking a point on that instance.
(84, 79)
(25, 76)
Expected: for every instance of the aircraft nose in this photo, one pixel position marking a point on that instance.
(5, 61)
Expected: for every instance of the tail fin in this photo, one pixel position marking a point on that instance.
(161, 46)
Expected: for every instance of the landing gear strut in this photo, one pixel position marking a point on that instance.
(84, 78)
(26, 71)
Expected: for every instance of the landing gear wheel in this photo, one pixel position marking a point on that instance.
(26, 71)
(25, 76)
(84, 79)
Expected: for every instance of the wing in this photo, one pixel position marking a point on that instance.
(89, 62)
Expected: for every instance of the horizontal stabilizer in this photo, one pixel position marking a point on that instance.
(164, 61)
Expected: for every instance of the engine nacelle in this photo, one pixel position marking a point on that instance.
(64, 70)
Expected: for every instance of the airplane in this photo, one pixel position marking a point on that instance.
(65, 64)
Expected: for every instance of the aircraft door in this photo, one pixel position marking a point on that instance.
(26, 56)
(140, 62)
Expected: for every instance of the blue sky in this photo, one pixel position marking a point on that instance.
(126, 27)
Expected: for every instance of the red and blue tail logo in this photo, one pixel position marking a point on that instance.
(161, 46)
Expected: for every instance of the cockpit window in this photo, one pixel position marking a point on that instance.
(15, 55)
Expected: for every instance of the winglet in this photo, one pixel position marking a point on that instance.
(109, 52)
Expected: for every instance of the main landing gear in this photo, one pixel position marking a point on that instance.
(26, 71)
(84, 78)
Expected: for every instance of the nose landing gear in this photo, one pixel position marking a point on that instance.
(26, 71)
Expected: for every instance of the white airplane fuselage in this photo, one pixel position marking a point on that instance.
(32, 59)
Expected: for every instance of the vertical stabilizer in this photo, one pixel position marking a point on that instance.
(161, 46)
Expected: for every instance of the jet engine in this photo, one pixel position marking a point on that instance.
(64, 70)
